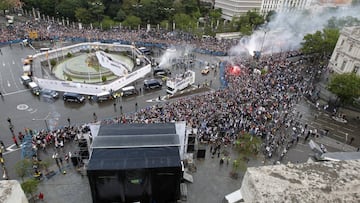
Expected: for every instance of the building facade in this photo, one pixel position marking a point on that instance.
(284, 5)
(346, 55)
(236, 8)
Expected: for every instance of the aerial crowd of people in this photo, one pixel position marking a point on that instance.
(47, 30)
(260, 104)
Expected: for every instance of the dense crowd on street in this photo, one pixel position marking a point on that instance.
(259, 104)
(48, 30)
(255, 103)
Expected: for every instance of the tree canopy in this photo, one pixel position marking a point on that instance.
(321, 43)
(247, 23)
(339, 23)
(345, 86)
(7, 4)
(186, 14)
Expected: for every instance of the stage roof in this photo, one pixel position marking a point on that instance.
(134, 158)
(135, 146)
(136, 135)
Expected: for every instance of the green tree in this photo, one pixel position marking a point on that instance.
(107, 23)
(46, 7)
(7, 4)
(248, 22)
(215, 14)
(247, 147)
(23, 168)
(320, 43)
(68, 7)
(112, 7)
(345, 86)
(120, 15)
(186, 7)
(96, 9)
(83, 15)
(132, 21)
(184, 21)
(339, 23)
(30, 186)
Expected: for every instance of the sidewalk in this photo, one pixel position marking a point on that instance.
(327, 141)
(65, 188)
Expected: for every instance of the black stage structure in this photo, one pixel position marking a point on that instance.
(135, 163)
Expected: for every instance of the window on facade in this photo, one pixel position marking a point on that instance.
(356, 69)
(343, 65)
(336, 57)
(351, 47)
(342, 42)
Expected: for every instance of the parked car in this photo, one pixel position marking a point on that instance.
(73, 97)
(49, 94)
(152, 84)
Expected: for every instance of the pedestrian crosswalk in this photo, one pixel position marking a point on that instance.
(317, 119)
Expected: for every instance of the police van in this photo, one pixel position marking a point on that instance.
(152, 84)
(73, 97)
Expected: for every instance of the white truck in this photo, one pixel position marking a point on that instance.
(180, 82)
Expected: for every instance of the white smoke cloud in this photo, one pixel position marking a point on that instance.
(287, 30)
(166, 60)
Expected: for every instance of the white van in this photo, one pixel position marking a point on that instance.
(234, 197)
(35, 89)
(103, 96)
(129, 90)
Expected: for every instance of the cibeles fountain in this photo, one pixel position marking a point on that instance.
(87, 68)
(90, 68)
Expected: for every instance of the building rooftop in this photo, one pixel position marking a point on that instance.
(308, 182)
(10, 192)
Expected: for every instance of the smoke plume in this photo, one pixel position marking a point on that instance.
(287, 30)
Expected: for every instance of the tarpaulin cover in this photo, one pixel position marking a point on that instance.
(136, 135)
(137, 129)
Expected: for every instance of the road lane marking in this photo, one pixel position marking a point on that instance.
(16, 92)
(35, 110)
(327, 127)
(22, 107)
(338, 136)
(10, 149)
(347, 129)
